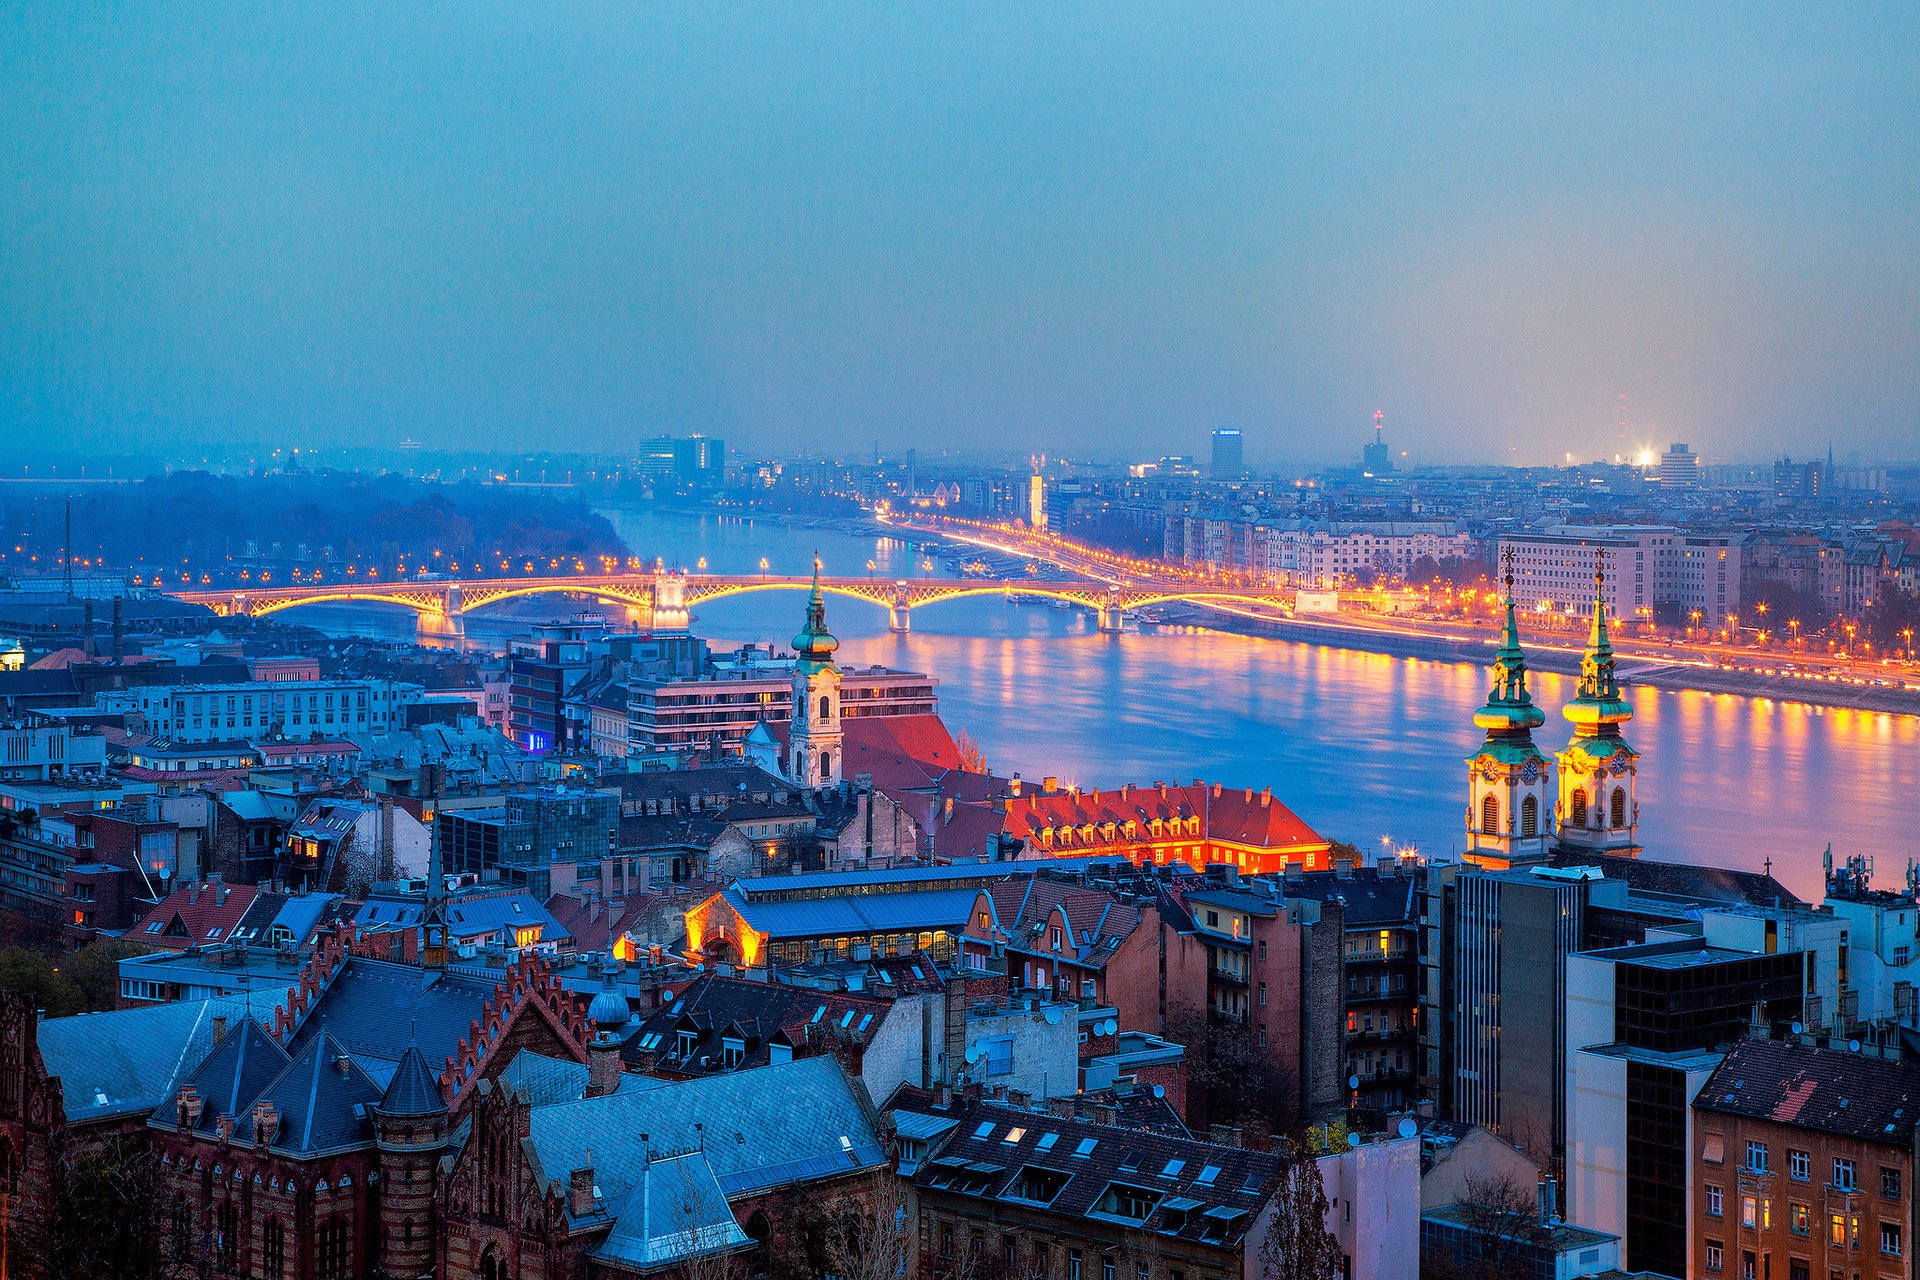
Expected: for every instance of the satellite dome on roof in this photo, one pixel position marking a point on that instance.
(608, 1010)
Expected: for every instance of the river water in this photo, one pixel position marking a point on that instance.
(1365, 747)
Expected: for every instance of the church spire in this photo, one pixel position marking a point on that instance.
(1509, 779)
(1509, 703)
(815, 645)
(1598, 809)
(1598, 705)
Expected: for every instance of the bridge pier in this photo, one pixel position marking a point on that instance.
(670, 614)
(1113, 618)
(897, 620)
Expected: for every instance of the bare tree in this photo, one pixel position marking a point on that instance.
(869, 1235)
(972, 758)
(1500, 1226)
(1298, 1245)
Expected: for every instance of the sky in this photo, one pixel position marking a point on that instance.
(1095, 230)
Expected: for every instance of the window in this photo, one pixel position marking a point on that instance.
(1577, 808)
(1837, 1230)
(1889, 1183)
(1890, 1239)
(1797, 1218)
(273, 1249)
(1490, 815)
(1843, 1175)
(1756, 1157)
(1799, 1165)
(1619, 805)
(1073, 1264)
(1749, 1212)
(1715, 1255)
(1085, 1148)
(1715, 1208)
(1000, 1056)
(1014, 1135)
(1529, 817)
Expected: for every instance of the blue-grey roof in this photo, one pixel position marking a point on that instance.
(413, 1090)
(240, 1067)
(376, 1008)
(130, 1061)
(466, 916)
(902, 878)
(921, 1126)
(861, 913)
(676, 1211)
(324, 1098)
(759, 1129)
(302, 913)
(543, 1080)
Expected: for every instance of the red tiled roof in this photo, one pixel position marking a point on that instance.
(194, 915)
(1237, 816)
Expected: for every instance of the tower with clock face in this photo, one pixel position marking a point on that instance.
(1598, 811)
(1509, 779)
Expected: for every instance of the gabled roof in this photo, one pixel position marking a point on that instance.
(130, 1061)
(1096, 922)
(675, 1211)
(1197, 1190)
(414, 1090)
(1825, 1090)
(194, 915)
(544, 1080)
(239, 1069)
(772, 1127)
(323, 1098)
(715, 1008)
(376, 1008)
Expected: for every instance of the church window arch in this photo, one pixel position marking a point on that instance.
(493, 1266)
(826, 764)
(1490, 814)
(1619, 802)
(1577, 807)
(1530, 816)
(826, 707)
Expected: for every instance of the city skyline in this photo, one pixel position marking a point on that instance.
(1091, 233)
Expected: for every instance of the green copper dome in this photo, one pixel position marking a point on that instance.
(1598, 701)
(815, 645)
(1509, 706)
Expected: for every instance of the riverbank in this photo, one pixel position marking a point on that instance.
(1564, 659)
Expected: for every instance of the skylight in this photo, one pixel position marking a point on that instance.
(983, 1130)
(1085, 1148)
(1173, 1168)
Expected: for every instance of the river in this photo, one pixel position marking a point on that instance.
(1365, 747)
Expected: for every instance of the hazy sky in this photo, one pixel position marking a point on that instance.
(1097, 229)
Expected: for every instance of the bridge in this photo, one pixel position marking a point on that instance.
(661, 601)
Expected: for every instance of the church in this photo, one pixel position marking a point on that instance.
(1524, 806)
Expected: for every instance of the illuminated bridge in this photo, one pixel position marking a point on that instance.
(660, 601)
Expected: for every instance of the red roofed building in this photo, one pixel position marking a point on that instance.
(195, 915)
(1165, 824)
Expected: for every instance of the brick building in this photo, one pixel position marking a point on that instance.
(1803, 1164)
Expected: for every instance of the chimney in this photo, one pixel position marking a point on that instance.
(1014, 785)
(1549, 1199)
(191, 1104)
(1049, 785)
(580, 1191)
(343, 1063)
(219, 1027)
(266, 1123)
(603, 1065)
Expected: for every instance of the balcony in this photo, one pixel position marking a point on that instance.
(1226, 976)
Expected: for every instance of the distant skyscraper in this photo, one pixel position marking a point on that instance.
(1376, 459)
(1036, 501)
(1679, 468)
(1229, 460)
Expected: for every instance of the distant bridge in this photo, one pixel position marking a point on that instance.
(660, 601)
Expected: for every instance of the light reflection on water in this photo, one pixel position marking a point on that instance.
(1361, 745)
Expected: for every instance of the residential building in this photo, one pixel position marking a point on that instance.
(1801, 1163)
(194, 713)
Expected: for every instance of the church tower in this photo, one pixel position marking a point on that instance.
(1597, 810)
(813, 752)
(1509, 780)
(410, 1129)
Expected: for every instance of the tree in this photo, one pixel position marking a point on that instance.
(34, 975)
(102, 1215)
(1231, 1079)
(869, 1236)
(972, 758)
(1500, 1231)
(95, 969)
(1298, 1245)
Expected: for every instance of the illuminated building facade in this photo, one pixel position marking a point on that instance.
(1510, 780)
(1165, 825)
(1597, 809)
(814, 745)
